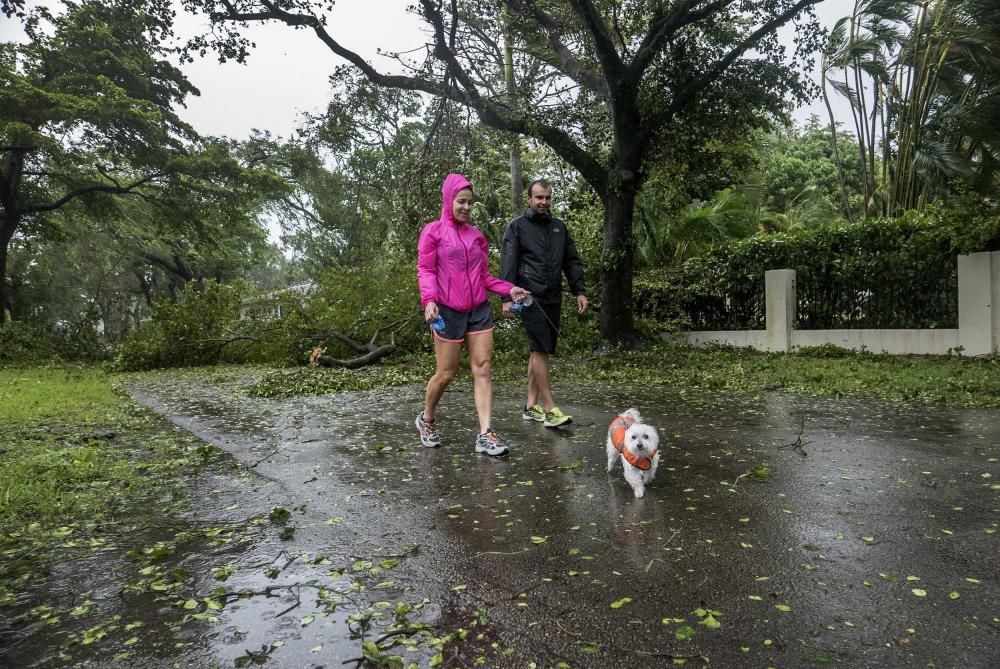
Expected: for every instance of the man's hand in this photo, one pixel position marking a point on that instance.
(581, 303)
(507, 313)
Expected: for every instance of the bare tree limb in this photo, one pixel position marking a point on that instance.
(96, 188)
(361, 361)
(665, 24)
(604, 44)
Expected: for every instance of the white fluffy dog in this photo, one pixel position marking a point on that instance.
(637, 445)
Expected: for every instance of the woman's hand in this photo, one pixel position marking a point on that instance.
(517, 294)
(430, 311)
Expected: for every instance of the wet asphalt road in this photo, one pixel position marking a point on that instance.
(866, 538)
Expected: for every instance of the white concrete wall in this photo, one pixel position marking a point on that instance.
(995, 283)
(895, 342)
(978, 330)
(744, 338)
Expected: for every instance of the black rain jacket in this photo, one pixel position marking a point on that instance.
(537, 249)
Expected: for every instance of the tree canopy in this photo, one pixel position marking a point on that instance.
(601, 83)
(88, 121)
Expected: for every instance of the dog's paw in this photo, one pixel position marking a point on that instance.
(639, 492)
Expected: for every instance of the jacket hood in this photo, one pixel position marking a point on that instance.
(449, 189)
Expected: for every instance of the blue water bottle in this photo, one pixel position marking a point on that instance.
(518, 307)
(438, 324)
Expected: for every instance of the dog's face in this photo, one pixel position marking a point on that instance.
(642, 439)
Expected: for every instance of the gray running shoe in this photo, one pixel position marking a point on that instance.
(428, 434)
(491, 444)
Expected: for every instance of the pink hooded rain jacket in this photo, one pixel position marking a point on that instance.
(453, 258)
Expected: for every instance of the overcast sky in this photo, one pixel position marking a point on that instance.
(286, 75)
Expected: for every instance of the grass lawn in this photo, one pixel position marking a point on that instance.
(76, 455)
(825, 371)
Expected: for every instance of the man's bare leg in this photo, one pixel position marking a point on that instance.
(539, 381)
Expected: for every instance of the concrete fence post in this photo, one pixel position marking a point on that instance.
(780, 307)
(995, 283)
(979, 303)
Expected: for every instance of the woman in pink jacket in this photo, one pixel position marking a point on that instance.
(454, 277)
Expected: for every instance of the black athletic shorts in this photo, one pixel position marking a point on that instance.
(457, 324)
(541, 323)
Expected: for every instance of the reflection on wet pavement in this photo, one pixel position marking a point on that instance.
(780, 531)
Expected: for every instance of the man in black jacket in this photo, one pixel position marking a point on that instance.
(537, 250)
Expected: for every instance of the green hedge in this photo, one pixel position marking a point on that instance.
(32, 343)
(877, 273)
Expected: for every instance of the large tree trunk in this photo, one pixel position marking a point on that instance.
(6, 235)
(623, 184)
(617, 324)
(10, 218)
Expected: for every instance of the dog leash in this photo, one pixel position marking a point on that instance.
(531, 304)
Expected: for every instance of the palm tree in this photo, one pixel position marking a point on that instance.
(922, 78)
(734, 213)
(665, 238)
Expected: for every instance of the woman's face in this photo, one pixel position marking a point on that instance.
(461, 208)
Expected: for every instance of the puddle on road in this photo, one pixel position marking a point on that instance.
(780, 530)
(217, 587)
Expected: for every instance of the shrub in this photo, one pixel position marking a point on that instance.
(852, 275)
(24, 343)
(191, 331)
(227, 323)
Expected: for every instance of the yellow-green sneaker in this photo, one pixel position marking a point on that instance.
(536, 413)
(556, 417)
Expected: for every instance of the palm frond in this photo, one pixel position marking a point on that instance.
(938, 162)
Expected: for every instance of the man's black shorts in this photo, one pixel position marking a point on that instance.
(541, 322)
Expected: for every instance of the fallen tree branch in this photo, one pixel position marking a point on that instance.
(298, 602)
(373, 355)
(224, 340)
(367, 353)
